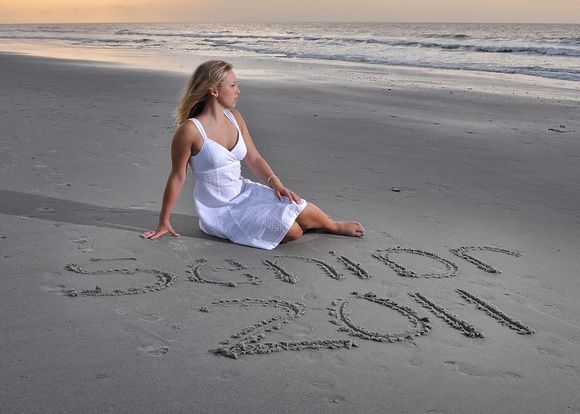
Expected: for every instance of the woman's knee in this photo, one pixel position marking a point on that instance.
(294, 233)
(312, 217)
(304, 219)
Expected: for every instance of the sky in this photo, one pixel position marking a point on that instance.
(102, 11)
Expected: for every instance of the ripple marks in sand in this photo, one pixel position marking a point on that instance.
(450, 318)
(196, 275)
(383, 256)
(326, 268)
(164, 279)
(421, 326)
(249, 340)
(462, 252)
(353, 267)
(495, 313)
(280, 272)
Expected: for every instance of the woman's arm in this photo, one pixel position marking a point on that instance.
(260, 167)
(186, 140)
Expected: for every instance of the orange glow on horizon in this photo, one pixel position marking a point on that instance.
(71, 11)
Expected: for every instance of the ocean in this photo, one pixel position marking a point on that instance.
(545, 50)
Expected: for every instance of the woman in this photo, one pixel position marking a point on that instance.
(228, 205)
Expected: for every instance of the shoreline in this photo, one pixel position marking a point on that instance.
(312, 70)
(84, 157)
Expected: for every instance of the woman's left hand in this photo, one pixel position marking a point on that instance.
(282, 192)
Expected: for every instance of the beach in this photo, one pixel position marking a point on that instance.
(461, 297)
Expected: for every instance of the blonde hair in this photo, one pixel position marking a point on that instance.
(197, 93)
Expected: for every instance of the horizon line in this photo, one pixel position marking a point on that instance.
(284, 22)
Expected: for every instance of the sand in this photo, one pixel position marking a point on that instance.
(462, 296)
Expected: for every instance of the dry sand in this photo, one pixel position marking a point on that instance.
(473, 264)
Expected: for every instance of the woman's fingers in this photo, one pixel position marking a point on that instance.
(160, 231)
(158, 234)
(290, 195)
(152, 235)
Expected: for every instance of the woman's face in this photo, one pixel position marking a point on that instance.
(228, 93)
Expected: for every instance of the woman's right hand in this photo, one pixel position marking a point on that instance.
(162, 228)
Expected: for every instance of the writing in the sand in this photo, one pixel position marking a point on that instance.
(253, 338)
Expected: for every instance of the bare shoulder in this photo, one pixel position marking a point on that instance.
(187, 131)
(187, 135)
(239, 118)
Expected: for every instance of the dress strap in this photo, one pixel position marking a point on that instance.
(200, 128)
(232, 118)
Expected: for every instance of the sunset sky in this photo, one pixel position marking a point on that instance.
(65, 11)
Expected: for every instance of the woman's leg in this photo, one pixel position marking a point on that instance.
(294, 233)
(314, 218)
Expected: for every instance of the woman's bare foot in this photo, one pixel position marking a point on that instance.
(350, 228)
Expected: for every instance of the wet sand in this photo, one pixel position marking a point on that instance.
(462, 296)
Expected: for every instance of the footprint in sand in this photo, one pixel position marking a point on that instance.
(334, 399)
(311, 295)
(311, 355)
(121, 309)
(229, 375)
(84, 244)
(378, 368)
(321, 385)
(550, 352)
(151, 318)
(56, 289)
(474, 371)
(414, 362)
(45, 210)
(340, 360)
(303, 331)
(569, 369)
(180, 247)
(155, 350)
(143, 335)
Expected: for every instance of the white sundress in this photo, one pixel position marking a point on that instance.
(232, 207)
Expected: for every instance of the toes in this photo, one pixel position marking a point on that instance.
(359, 230)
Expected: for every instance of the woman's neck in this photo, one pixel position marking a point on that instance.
(213, 111)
